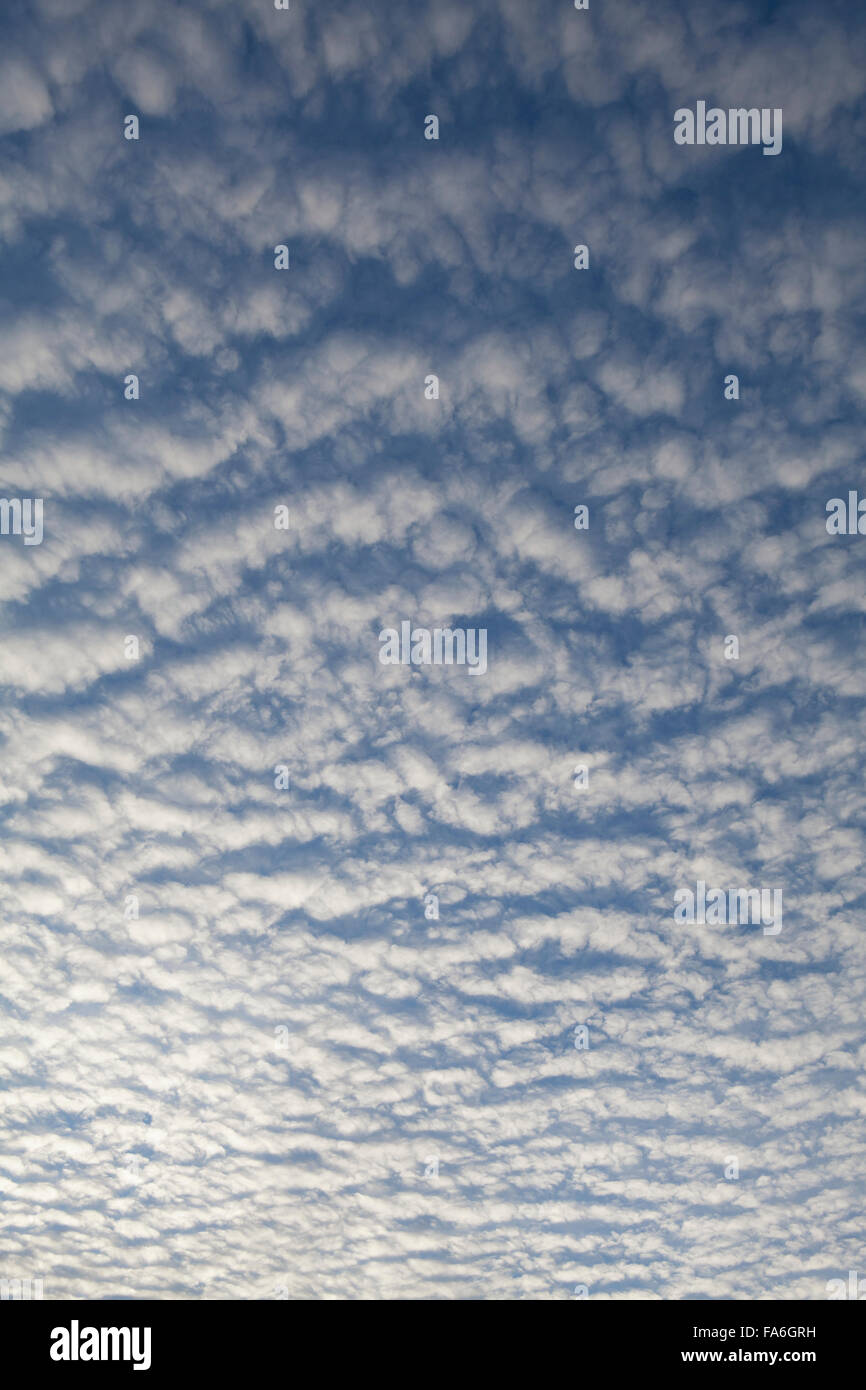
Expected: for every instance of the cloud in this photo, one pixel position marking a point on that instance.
(24, 98)
(323, 1038)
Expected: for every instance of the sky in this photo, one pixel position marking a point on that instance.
(329, 978)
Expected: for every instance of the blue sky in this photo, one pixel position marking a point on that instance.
(282, 1078)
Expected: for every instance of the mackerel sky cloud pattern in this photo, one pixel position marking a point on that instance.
(413, 1017)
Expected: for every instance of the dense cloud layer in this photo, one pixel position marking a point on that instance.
(237, 1058)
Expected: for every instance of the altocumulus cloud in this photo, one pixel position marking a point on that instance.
(329, 978)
